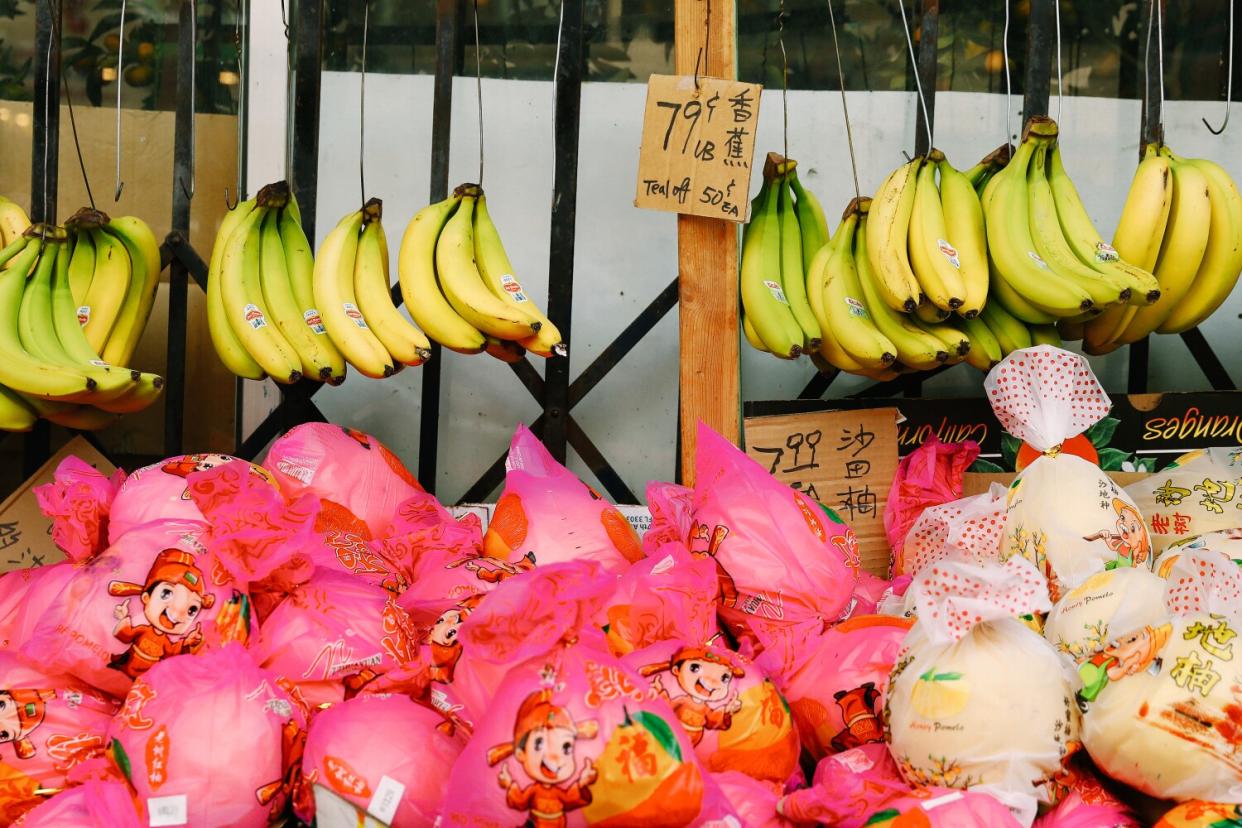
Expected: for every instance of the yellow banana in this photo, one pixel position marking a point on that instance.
(1222, 260)
(13, 222)
(497, 273)
(762, 296)
(416, 270)
(242, 293)
(338, 304)
(933, 259)
(228, 346)
(812, 225)
(929, 313)
(748, 331)
(887, 237)
(1146, 211)
(144, 255)
(15, 413)
(1010, 333)
(985, 350)
(81, 267)
(1181, 252)
(300, 268)
(109, 286)
(404, 342)
(844, 306)
(463, 286)
(793, 276)
(505, 351)
(319, 358)
(963, 219)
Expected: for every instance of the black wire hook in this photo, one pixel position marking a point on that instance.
(1229, 83)
(231, 202)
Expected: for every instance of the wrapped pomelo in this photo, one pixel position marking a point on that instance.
(168, 741)
(929, 476)
(352, 469)
(1081, 624)
(977, 697)
(668, 595)
(400, 778)
(1194, 495)
(1227, 542)
(784, 563)
(1064, 515)
(547, 515)
(25, 595)
(970, 527)
(154, 594)
(79, 501)
(94, 804)
(49, 724)
(735, 717)
(836, 689)
(754, 801)
(1170, 722)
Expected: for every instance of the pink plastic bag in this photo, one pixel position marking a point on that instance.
(862, 786)
(547, 515)
(91, 805)
(216, 730)
(344, 755)
(668, 595)
(930, 475)
(79, 500)
(49, 723)
(754, 801)
(781, 558)
(343, 465)
(333, 632)
(733, 714)
(836, 692)
(155, 593)
(671, 521)
(25, 596)
(161, 492)
(570, 739)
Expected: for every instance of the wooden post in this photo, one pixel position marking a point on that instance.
(707, 257)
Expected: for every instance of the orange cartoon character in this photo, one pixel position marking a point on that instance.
(726, 592)
(172, 598)
(494, 570)
(190, 463)
(1127, 656)
(1128, 538)
(858, 713)
(21, 711)
(544, 738)
(706, 680)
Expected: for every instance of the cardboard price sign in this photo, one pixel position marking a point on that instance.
(698, 144)
(846, 460)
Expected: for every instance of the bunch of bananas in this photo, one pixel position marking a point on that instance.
(459, 286)
(1049, 265)
(786, 230)
(13, 221)
(74, 302)
(1182, 220)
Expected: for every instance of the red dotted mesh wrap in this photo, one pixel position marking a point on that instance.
(1045, 395)
(952, 596)
(969, 528)
(1202, 581)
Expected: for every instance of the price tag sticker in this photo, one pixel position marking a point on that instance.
(698, 146)
(388, 793)
(167, 811)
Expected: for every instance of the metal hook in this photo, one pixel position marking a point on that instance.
(362, 98)
(232, 202)
(704, 53)
(189, 191)
(284, 19)
(120, 66)
(914, 62)
(1228, 84)
(849, 131)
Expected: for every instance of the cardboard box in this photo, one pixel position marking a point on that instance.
(25, 532)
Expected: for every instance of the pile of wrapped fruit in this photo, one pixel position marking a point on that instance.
(232, 644)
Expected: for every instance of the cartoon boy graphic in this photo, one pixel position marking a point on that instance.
(726, 592)
(190, 463)
(858, 713)
(1127, 656)
(705, 678)
(21, 711)
(172, 598)
(1129, 538)
(544, 737)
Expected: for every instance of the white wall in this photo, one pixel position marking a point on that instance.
(625, 256)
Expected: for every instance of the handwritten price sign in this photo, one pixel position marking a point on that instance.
(698, 144)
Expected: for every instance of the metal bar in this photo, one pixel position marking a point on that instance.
(177, 247)
(183, 172)
(564, 219)
(526, 373)
(642, 325)
(1207, 361)
(596, 461)
(448, 55)
(1041, 37)
(897, 385)
(819, 383)
(495, 474)
(44, 169)
(308, 59)
(1136, 379)
(929, 36)
(1152, 129)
